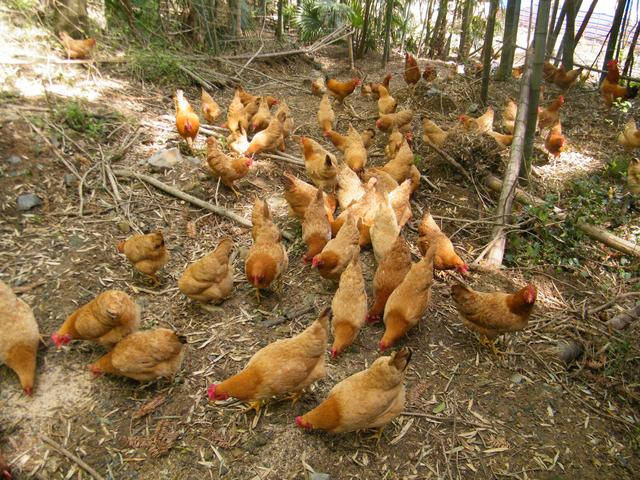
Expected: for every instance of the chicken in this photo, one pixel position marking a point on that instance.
(610, 90)
(445, 257)
(250, 110)
(144, 356)
(261, 119)
(286, 366)
(372, 88)
(299, 194)
(554, 143)
(187, 120)
(321, 166)
(396, 138)
(19, 339)
(106, 320)
(246, 97)
(76, 49)
(548, 71)
(430, 73)
(237, 142)
(490, 314)
(633, 176)
(267, 258)
(549, 115)
(363, 211)
(210, 279)
(147, 253)
(409, 301)
(400, 120)
(517, 72)
(5, 469)
(270, 138)
(317, 87)
(368, 399)
(502, 139)
(411, 70)
(385, 183)
(210, 109)
(482, 124)
(349, 187)
(287, 125)
(564, 79)
(509, 116)
(400, 166)
(367, 137)
(316, 227)
(629, 138)
(392, 269)
(352, 146)
(326, 117)
(341, 90)
(349, 307)
(400, 200)
(433, 134)
(337, 253)
(386, 103)
(385, 229)
(227, 169)
(236, 120)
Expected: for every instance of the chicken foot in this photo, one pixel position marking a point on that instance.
(491, 344)
(256, 405)
(294, 397)
(378, 435)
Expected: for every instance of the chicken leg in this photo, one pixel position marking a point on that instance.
(256, 405)
(491, 344)
(294, 397)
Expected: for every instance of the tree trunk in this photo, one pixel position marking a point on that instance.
(552, 21)
(465, 34)
(280, 20)
(585, 22)
(487, 51)
(623, 29)
(447, 46)
(628, 64)
(365, 29)
(553, 34)
(512, 18)
(613, 37)
(237, 17)
(437, 40)
(71, 16)
(426, 23)
(405, 21)
(569, 35)
(387, 33)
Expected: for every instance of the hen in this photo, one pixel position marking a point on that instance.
(411, 70)
(564, 79)
(400, 120)
(482, 124)
(409, 301)
(349, 186)
(396, 139)
(227, 169)
(629, 138)
(509, 116)
(368, 399)
(367, 137)
(610, 90)
(433, 134)
(5, 469)
(549, 115)
(76, 49)
(270, 138)
(445, 257)
(490, 314)
(210, 109)
(238, 142)
(299, 194)
(337, 253)
(284, 367)
(633, 176)
(247, 98)
(349, 307)
(392, 269)
(430, 73)
(187, 121)
(19, 339)
(236, 120)
(287, 125)
(106, 320)
(320, 164)
(261, 119)
(316, 227)
(144, 356)
(501, 139)
(386, 103)
(317, 87)
(210, 279)
(385, 229)
(326, 116)
(372, 88)
(402, 166)
(352, 147)
(147, 253)
(554, 143)
(363, 211)
(341, 90)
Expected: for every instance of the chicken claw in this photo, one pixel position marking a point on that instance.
(256, 405)
(491, 344)
(378, 435)
(294, 397)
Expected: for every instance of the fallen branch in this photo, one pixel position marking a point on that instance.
(451, 161)
(289, 315)
(623, 319)
(189, 198)
(28, 287)
(609, 303)
(60, 449)
(597, 233)
(197, 78)
(291, 160)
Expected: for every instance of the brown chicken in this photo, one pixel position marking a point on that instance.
(396, 138)
(368, 399)
(187, 120)
(341, 90)
(287, 125)
(490, 314)
(502, 139)
(210, 279)
(363, 212)
(400, 166)
(482, 124)
(145, 356)
(349, 186)
(509, 116)
(517, 72)
(564, 79)
(633, 176)
(321, 166)
(409, 301)
(227, 169)
(610, 90)
(20, 337)
(550, 114)
(349, 307)
(372, 88)
(317, 87)
(77, 49)
(5, 469)
(367, 137)
(554, 143)
(247, 98)
(629, 138)
(430, 73)
(106, 320)
(352, 146)
(445, 257)
(411, 70)
(316, 227)
(385, 229)
(299, 194)
(270, 138)
(284, 367)
(400, 120)
(238, 142)
(384, 181)
(267, 258)
(210, 109)
(392, 269)
(433, 134)
(326, 116)
(250, 110)
(400, 199)
(386, 103)
(236, 120)
(262, 117)
(147, 253)
(337, 253)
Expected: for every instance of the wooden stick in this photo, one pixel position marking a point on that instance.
(451, 161)
(289, 315)
(189, 198)
(60, 449)
(293, 161)
(623, 319)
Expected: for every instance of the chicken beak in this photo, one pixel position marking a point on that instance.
(28, 391)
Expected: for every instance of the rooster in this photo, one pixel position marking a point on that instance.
(610, 90)
(411, 71)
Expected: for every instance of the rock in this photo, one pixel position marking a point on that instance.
(256, 442)
(27, 201)
(70, 180)
(14, 159)
(474, 107)
(517, 378)
(433, 91)
(165, 159)
(319, 476)
(193, 160)
(124, 226)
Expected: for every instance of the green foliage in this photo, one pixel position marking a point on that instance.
(316, 18)
(620, 359)
(74, 115)
(156, 65)
(22, 5)
(623, 105)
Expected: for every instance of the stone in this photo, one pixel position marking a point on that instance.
(517, 378)
(14, 159)
(124, 226)
(27, 201)
(70, 180)
(165, 159)
(193, 160)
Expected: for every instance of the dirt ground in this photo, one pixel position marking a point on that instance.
(469, 414)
